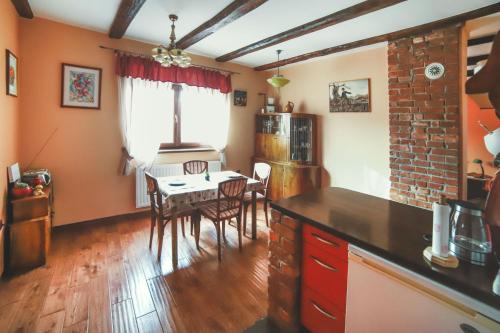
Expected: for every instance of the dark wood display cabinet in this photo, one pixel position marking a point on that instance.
(287, 141)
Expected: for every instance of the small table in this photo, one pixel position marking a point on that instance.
(197, 189)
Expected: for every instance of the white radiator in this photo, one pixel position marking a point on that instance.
(161, 170)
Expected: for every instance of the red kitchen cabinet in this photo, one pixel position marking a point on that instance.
(325, 242)
(324, 281)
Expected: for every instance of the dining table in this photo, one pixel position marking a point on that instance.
(194, 189)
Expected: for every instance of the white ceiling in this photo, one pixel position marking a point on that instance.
(152, 25)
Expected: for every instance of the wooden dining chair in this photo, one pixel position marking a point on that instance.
(191, 168)
(262, 173)
(228, 205)
(195, 167)
(160, 215)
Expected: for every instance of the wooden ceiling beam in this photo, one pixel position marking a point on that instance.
(23, 8)
(230, 13)
(457, 19)
(471, 61)
(480, 40)
(126, 13)
(343, 15)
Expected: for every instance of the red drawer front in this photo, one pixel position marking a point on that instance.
(325, 241)
(325, 274)
(319, 315)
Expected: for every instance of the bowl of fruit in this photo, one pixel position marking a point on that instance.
(21, 190)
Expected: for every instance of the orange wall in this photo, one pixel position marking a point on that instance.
(354, 148)
(9, 106)
(474, 143)
(84, 153)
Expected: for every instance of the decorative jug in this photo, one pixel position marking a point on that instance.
(289, 107)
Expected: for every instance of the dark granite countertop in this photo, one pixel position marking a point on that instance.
(391, 230)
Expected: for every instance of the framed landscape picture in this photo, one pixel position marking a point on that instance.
(350, 96)
(81, 87)
(11, 73)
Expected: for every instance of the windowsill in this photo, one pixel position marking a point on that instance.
(185, 150)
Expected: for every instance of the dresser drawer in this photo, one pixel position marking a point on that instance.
(325, 241)
(319, 315)
(325, 274)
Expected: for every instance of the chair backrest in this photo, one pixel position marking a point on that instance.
(262, 172)
(231, 192)
(155, 195)
(195, 167)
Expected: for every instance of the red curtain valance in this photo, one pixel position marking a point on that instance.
(148, 69)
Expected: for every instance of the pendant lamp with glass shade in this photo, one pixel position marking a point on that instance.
(278, 80)
(171, 55)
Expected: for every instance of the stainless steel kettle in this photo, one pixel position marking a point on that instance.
(470, 236)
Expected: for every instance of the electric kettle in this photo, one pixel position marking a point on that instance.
(470, 236)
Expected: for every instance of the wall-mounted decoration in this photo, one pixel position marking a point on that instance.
(11, 73)
(350, 96)
(81, 87)
(434, 71)
(240, 98)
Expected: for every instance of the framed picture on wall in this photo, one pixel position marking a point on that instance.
(240, 98)
(350, 96)
(81, 87)
(11, 73)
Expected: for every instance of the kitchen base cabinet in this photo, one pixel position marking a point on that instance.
(320, 315)
(380, 299)
(324, 281)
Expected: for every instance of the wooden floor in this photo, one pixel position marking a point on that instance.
(102, 277)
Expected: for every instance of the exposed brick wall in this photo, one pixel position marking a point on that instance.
(284, 271)
(424, 118)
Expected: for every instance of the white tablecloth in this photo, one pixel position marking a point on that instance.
(196, 188)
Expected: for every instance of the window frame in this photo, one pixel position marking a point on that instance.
(177, 145)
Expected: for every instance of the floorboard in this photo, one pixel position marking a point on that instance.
(102, 277)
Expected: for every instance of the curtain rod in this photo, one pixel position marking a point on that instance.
(147, 55)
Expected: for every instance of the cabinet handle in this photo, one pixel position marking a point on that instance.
(323, 312)
(322, 264)
(322, 240)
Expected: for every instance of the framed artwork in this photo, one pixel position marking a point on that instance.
(350, 96)
(240, 98)
(11, 73)
(81, 87)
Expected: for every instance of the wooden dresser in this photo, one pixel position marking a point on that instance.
(287, 141)
(28, 232)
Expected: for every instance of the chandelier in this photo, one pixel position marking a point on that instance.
(171, 55)
(278, 80)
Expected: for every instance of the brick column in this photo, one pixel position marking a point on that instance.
(424, 117)
(285, 246)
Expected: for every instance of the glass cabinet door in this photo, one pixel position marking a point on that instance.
(301, 140)
(268, 124)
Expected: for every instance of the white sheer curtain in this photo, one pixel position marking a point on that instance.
(146, 120)
(205, 118)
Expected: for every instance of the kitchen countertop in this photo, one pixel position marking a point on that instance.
(391, 230)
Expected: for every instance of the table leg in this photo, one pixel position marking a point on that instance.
(174, 238)
(254, 215)
(159, 224)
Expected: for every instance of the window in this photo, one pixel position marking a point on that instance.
(199, 118)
